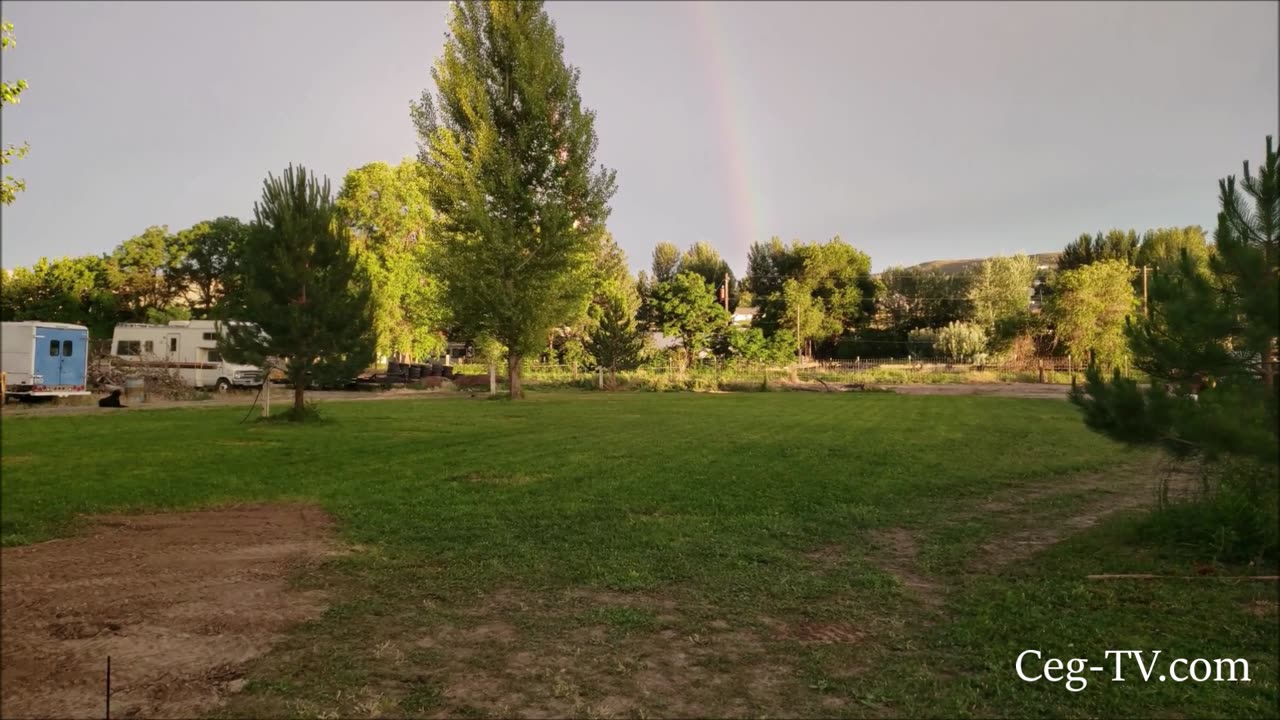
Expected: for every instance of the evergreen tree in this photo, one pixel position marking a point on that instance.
(303, 289)
(1209, 344)
(615, 343)
(1115, 245)
(509, 154)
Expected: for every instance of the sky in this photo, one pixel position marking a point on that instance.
(914, 131)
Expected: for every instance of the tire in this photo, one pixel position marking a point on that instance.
(223, 385)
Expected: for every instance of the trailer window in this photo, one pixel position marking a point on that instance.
(215, 356)
(173, 344)
(66, 348)
(128, 347)
(149, 346)
(211, 336)
(53, 348)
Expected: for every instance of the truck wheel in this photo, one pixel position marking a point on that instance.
(223, 385)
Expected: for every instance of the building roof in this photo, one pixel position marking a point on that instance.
(662, 342)
(42, 323)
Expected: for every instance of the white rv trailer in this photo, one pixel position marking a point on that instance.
(44, 359)
(188, 348)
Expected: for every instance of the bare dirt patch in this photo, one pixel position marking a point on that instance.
(564, 654)
(180, 601)
(1118, 490)
(899, 558)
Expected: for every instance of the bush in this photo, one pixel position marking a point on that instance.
(1232, 518)
(962, 342)
(922, 341)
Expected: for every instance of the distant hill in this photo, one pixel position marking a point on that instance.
(955, 267)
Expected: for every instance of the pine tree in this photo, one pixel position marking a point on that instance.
(509, 154)
(615, 342)
(1209, 344)
(303, 291)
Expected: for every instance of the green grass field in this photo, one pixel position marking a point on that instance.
(682, 554)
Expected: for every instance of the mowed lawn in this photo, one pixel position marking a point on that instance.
(597, 554)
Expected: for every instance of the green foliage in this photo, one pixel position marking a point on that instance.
(915, 298)
(923, 341)
(509, 153)
(70, 290)
(749, 346)
(835, 275)
(803, 315)
(666, 262)
(1162, 248)
(704, 261)
(145, 272)
(388, 212)
(10, 95)
(1209, 346)
(303, 286)
(686, 307)
(1115, 245)
(999, 288)
(962, 342)
(209, 259)
(615, 343)
(1089, 307)
(1235, 520)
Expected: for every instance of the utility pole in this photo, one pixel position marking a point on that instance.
(726, 292)
(1144, 291)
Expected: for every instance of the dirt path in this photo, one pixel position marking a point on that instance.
(1020, 531)
(180, 601)
(1018, 390)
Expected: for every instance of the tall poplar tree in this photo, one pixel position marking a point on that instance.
(509, 154)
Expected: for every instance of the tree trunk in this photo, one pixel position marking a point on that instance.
(513, 376)
(299, 389)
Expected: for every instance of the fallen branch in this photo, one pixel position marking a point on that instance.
(1140, 576)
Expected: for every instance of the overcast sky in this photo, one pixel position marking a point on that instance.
(913, 131)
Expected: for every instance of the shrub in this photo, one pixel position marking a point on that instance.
(1233, 517)
(922, 341)
(962, 342)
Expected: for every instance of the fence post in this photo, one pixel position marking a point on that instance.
(1040, 363)
(266, 397)
(493, 378)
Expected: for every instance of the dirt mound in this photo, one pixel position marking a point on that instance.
(180, 601)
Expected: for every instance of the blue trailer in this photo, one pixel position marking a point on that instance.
(44, 359)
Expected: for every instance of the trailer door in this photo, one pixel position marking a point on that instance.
(171, 348)
(60, 356)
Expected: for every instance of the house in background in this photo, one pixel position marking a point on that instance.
(744, 315)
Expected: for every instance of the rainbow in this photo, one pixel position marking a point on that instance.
(744, 201)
